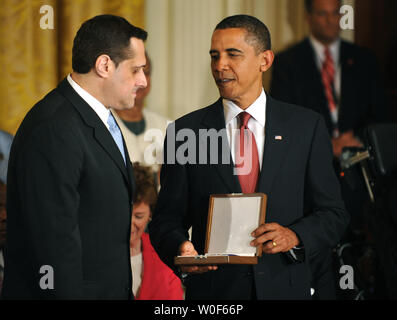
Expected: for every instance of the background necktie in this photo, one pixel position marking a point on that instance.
(247, 156)
(116, 134)
(328, 78)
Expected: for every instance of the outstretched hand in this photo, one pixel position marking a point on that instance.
(187, 249)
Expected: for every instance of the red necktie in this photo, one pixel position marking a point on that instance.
(246, 159)
(328, 77)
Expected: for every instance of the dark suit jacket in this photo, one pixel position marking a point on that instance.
(68, 203)
(296, 79)
(296, 171)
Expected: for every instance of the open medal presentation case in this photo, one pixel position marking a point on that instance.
(231, 220)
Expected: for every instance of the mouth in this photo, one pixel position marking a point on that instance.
(224, 81)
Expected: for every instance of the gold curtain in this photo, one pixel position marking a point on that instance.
(35, 59)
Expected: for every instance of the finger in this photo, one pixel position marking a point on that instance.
(264, 238)
(198, 269)
(273, 246)
(187, 249)
(189, 269)
(203, 269)
(266, 227)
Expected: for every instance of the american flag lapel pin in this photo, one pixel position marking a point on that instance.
(278, 138)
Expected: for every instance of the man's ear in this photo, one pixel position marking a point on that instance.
(267, 60)
(104, 65)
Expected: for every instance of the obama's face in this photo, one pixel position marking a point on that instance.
(236, 66)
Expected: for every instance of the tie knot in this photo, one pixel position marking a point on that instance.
(244, 118)
(327, 54)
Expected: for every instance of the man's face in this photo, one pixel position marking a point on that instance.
(324, 20)
(127, 78)
(143, 92)
(236, 67)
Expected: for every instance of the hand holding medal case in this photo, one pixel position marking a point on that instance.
(231, 219)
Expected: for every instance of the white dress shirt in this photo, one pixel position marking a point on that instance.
(136, 270)
(256, 123)
(102, 112)
(334, 49)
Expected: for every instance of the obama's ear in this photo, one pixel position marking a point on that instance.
(267, 60)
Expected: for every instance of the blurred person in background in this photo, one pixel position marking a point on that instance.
(3, 228)
(341, 81)
(152, 279)
(5, 147)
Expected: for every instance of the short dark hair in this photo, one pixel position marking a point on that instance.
(258, 34)
(145, 186)
(103, 34)
(309, 5)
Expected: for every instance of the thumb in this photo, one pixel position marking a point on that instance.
(187, 249)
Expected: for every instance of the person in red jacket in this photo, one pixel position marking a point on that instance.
(152, 279)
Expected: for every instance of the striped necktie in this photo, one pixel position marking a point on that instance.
(246, 158)
(328, 78)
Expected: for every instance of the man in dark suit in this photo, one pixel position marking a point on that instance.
(70, 178)
(291, 161)
(340, 81)
(356, 90)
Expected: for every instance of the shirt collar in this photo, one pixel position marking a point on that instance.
(257, 110)
(319, 49)
(102, 112)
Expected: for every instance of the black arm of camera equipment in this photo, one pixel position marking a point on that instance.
(352, 156)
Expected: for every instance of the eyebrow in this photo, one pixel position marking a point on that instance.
(227, 50)
(139, 67)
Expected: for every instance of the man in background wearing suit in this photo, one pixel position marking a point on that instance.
(70, 178)
(5, 146)
(291, 162)
(340, 81)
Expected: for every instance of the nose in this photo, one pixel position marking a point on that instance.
(221, 63)
(332, 17)
(141, 81)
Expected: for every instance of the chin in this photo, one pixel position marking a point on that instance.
(225, 95)
(127, 107)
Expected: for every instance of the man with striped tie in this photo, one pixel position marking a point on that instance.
(339, 80)
(288, 155)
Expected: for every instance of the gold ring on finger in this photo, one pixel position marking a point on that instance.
(274, 244)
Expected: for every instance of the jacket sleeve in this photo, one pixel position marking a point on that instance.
(168, 228)
(49, 166)
(324, 225)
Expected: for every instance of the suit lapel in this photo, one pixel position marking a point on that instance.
(276, 145)
(215, 119)
(101, 133)
(274, 152)
(312, 75)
